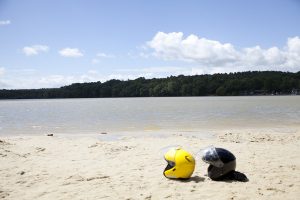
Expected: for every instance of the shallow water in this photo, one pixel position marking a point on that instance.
(184, 114)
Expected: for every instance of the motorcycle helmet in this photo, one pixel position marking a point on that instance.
(221, 162)
(181, 164)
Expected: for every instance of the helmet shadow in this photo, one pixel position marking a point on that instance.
(195, 179)
(234, 176)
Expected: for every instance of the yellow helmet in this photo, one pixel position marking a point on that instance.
(181, 164)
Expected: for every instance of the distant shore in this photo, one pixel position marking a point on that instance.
(90, 167)
(231, 84)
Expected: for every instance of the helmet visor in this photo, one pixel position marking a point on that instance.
(210, 156)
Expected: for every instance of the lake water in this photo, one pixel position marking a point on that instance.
(182, 114)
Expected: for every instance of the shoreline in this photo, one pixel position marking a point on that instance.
(199, 133)
(137, 97)
(45, 167)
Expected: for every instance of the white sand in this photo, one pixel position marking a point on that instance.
(58, 167)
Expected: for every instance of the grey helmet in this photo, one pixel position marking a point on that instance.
(221, 162)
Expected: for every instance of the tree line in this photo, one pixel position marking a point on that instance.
(226, 84)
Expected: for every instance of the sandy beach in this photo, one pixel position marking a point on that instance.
(89, 167)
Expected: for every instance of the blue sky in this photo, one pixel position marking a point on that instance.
(50, 43)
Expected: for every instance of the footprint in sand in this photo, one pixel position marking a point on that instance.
(3, 194)
(97, 177)
(3, 142)
(39, 149)
(80, 178)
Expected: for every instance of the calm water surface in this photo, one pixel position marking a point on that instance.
(147, 114)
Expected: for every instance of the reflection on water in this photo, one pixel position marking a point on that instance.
(148, 114)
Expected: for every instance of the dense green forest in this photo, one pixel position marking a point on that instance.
(241, 83)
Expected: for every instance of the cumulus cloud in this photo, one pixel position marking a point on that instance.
(224, 56)
(293, 49)
(34, 49)
(70, 52)
(173, 46)
(4, 22)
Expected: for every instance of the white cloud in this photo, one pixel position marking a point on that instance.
(34, 49)
(70, 52)
(224, 57)
(293, 49)
(174, 46)
(4, 22)
(104, 55)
